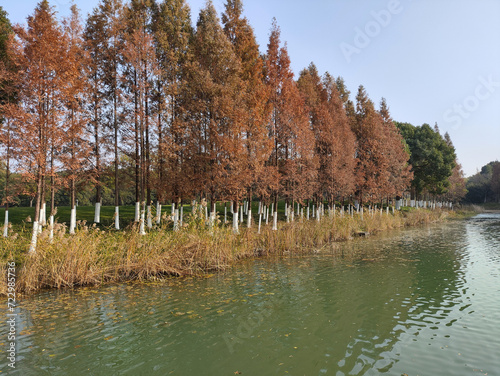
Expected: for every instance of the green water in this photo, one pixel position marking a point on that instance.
(423, 301)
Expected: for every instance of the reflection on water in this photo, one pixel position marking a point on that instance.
(419, 301)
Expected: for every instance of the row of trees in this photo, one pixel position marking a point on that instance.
(183, 113)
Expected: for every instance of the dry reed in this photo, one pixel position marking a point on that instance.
(94, 257)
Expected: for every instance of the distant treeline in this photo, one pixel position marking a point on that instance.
(484, 186)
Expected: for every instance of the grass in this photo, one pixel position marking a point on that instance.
(93, 256)
(21, 217)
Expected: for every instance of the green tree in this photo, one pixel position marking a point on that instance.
(432, 159)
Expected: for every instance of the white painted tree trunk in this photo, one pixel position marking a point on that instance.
(43, 215)
(314, 212)
(6, 225)
(260, 208)
(307, 214)
(272, 207)
(225, 214)
(34, 237)
(267, 216)
(137, 211)
(149, 217)
(181, 217)
(206, 213)
(176, 220)
(318, 213)
(117, 217)
(51, 226)
(72, 220)
(275, 221)
(361, 212)
(241, 214)
(286, 211)
(249, 218)
(260, 222)
(97, 213)
(235, 221)
(387, 210)
(141, 222)
(212, 215)
(158, 212)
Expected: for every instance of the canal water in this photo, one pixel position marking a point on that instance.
(421, 301)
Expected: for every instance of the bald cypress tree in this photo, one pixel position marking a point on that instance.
(104, 43)
(334, 140)
(172, 32)
(289, 127)
(398, 155)
(213, 106)
(141, 71)
(372, 163)
(254, 97)
(40, 55)
(76, 149)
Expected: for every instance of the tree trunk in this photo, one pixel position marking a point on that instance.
(117, 217)
(235, 218)
(6, 222)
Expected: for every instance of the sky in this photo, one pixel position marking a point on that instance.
(435, 61)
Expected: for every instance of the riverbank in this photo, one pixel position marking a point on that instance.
(93, 257)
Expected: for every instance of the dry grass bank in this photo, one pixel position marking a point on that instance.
(93, 257)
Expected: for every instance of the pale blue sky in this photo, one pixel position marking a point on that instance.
(433, 60)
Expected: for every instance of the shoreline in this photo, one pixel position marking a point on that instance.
(94, 258)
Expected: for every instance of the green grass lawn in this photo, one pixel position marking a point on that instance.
(18, 216)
